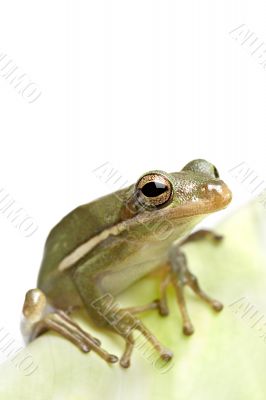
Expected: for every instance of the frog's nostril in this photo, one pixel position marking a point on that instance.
(216, 187)
(221, 193)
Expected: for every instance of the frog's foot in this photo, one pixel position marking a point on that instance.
(61, 323)
(201, 234)
(180, 276)
(124, 323)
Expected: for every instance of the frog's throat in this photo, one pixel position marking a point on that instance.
(190, 209)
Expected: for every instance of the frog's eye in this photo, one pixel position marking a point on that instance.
(202, 166)
(154, 190)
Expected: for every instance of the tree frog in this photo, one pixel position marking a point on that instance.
(101, 248)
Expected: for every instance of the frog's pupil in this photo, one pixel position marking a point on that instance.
(154, 189)
(216, 173)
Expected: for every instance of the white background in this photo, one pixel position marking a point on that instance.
(139, 84)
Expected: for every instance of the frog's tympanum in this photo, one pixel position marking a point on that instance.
(101, 248)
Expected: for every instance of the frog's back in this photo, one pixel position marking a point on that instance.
(75, 228)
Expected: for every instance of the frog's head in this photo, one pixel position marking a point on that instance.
(195, 190)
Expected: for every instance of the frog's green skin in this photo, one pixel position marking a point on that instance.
(122, 245)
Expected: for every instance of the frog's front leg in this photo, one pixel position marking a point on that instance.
(179, 276)
(39, 319)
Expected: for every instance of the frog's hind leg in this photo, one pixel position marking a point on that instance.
(39, 321)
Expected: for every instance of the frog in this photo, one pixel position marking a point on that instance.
(100, 249)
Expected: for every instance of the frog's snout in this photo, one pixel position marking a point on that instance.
(220, 194)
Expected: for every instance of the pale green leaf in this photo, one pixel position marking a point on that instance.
(224, 360)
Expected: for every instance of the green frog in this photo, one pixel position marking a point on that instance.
(101, 248)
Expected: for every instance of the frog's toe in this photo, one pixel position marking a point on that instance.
(125, 362)
(188, 328)
(217, 305)
(112, 359)
(167, 355)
